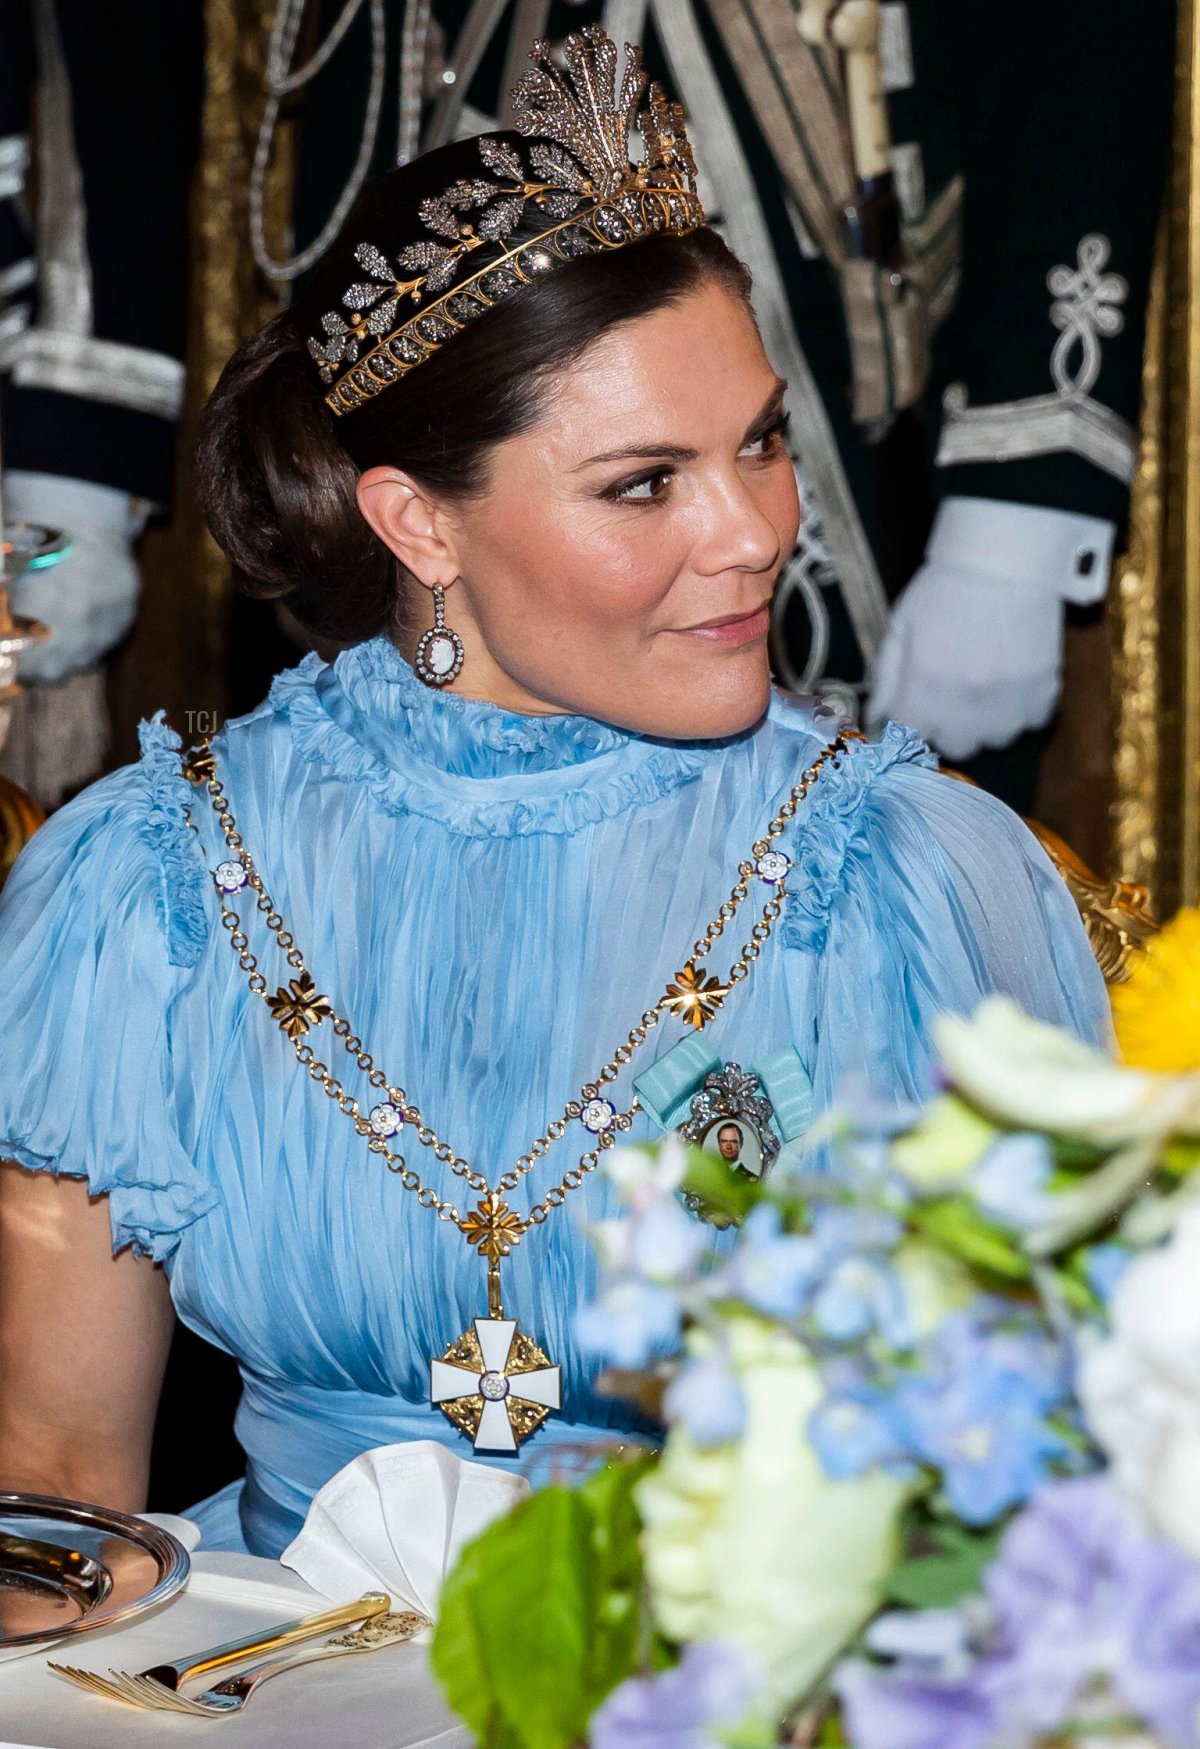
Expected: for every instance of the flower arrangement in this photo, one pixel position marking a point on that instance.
(931, 1469)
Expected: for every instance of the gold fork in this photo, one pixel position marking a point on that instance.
(158, 1686)
(231, 1695)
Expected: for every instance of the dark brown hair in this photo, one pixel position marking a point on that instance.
(277, 471)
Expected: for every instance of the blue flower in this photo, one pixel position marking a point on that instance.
(772, 1271)
(852, 1430)
(1010, 1182)
(983, 1428)
(848, 1229)
(666, 1243)
(631, 1324)
(706, 1398)
(907, 1708)
(1010, 1339)
(1104, 1266)
(691, 1706)
(860, 1294)
(1079, 1595)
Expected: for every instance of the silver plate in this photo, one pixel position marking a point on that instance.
(66, 1568)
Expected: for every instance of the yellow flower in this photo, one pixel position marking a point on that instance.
(1157, 1013)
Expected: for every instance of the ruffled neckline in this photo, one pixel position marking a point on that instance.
(478, 769)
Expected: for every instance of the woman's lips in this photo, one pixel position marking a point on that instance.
(739, 628)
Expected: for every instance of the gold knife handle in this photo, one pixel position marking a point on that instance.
(364, 1608)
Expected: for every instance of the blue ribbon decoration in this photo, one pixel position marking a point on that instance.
(667, 1088)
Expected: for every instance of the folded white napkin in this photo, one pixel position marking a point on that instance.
(395, 1520)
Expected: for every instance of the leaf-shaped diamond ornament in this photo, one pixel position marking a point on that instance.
(370, 259)
(555, 165)
(500, 218)
(438, 213)
(327, 358)
(577, 111)
(561, 205)
(465, 194)
(382, 316)
(442, 274)
(501, 158)
(361, 296)
(437, 263)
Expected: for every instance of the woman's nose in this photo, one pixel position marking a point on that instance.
(737, 534)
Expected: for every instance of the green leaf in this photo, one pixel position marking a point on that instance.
(727, 1195)
(832, 1735)
(617, 1565)
(952, 1570)
(512, 1633)
(964, 1232)
(751, 1734)
(1074, 1154)
(1071, 1280)
(541, 1617)
(1181, 1157)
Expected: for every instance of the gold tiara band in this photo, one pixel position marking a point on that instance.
(578, 175)
(632, 216)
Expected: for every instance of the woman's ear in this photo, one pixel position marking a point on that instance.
(410, 524)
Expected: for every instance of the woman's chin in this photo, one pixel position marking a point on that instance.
(729, 699)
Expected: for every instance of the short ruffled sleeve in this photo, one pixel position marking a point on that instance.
(100, 922)
(915, 895)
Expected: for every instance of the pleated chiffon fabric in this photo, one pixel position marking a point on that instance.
(492, 900)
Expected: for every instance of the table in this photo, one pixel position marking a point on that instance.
(379, 1700)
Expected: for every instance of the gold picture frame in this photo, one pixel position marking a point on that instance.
(1155, 604)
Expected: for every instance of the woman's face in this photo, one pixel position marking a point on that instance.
(622, 560)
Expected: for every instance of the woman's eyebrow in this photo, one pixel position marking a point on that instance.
(659, 451)
(772, 407)
(675, 452)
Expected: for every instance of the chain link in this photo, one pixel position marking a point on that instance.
(200, 769)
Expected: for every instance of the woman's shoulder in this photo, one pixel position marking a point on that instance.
(121, 849)
(805, 743)
(881, 818)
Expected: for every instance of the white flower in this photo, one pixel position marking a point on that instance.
(751, 1542)
(938, 1153)
(1038, 1077)
(1140, 1387)
(643, 1177)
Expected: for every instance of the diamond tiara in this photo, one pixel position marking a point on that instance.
(578, 175)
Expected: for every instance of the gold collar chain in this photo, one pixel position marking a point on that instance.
(489, 1407)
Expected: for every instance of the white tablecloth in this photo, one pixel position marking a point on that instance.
(386, 1699)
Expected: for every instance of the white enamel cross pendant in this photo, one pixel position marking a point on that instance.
(495, 1384)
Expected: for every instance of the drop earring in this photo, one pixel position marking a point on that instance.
(439, 654)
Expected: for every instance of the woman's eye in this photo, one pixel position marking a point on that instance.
(645, 489)
(769, 442)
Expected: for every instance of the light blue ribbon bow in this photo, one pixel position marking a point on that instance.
(667, 1088)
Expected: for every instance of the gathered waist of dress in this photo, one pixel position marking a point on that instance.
(297, 1436)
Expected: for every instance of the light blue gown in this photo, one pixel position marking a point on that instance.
(493, 900)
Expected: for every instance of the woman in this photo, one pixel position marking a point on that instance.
(545, 507)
